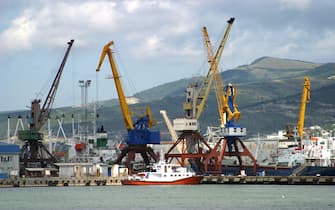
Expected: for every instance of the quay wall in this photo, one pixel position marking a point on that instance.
(116, 181)
(60, 181)
(283, 180)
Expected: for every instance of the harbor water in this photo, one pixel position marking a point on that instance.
(193, 197)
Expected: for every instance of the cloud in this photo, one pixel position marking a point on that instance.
(20, 35)
(131, 6)
(327, 41)
(51, 24)
(160, 38)
(153, 28)
(154, 46)
(152, 43)
(295, 4)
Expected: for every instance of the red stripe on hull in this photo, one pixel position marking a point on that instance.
(189, 180)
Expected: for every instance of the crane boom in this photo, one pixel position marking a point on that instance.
(168, 123)
(33, 152)
(230, 132)
(305, 97)
(221, 96)
(123, 103)
(138, 132)
(207, 83)
(208, 45)
(40, 115)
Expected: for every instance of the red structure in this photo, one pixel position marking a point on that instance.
(193, 148)
(213, 161)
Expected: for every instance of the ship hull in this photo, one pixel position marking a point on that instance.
(281, 171)
(185, 181)
(317, 170)
(260, 171)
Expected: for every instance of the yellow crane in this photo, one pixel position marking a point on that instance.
(214, 62)
(221, 95)
(196, 147)
(305, 97)
(229, 114)
(292, 132)
(138, 133)
(196, 106)
(122, 98)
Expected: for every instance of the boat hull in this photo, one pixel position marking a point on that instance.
(185, 181)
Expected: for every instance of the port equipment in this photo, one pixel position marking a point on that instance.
(169, 125)
(195, 147)
(139, 134)
(297, 132)
(228, 142)
(305, 97)
(33, 152)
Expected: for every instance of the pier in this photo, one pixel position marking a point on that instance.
(60, 182)
(281, 180)
(116, 181)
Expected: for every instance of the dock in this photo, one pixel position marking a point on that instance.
(116, 181)
(280, 180)
(60, 182)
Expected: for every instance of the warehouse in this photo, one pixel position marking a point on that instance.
(9, 160)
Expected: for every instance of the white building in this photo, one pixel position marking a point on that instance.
(79, 170)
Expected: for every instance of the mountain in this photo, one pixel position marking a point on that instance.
(269, 92)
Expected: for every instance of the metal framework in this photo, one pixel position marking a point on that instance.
(195, 148)
(192, 147)
(139, 135)
(33, 153)
(230, 145)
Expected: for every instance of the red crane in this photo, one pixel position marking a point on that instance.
(33, 153)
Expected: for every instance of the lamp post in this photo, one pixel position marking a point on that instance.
(84, 84)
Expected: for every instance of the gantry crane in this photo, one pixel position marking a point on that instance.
(229, 132)
(139, 135)
(188, 127)
(33, 153)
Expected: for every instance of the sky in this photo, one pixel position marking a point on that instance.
(156, 42)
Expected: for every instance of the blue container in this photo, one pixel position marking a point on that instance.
(4, 176)
(141, 137)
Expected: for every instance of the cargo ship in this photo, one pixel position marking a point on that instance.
(314, 156)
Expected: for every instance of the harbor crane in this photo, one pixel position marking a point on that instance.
(139, 134)
(305, 97)
(221, 95)
(193, 106)
(33, 152)
(229, 132)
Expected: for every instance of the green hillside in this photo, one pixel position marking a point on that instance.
(269, 91)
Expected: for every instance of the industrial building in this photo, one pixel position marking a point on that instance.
(9, 160)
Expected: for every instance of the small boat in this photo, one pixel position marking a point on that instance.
(163, 173)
